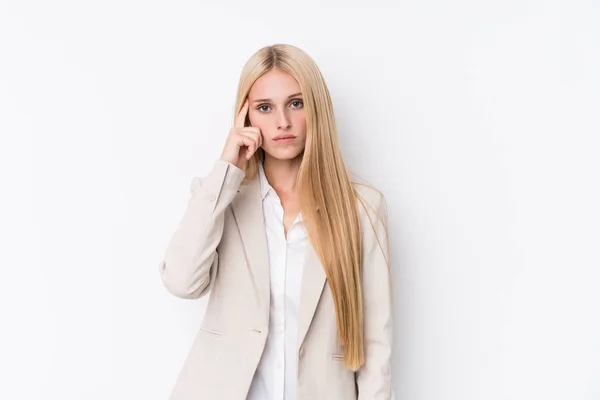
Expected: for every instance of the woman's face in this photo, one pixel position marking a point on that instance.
(277, 109)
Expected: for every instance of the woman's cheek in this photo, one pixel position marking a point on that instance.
(255, 120)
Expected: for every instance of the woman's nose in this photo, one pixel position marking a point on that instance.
(283, 122)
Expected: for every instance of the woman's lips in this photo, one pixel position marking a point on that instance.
(284, 138)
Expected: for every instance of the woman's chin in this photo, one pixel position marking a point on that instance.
(284, 154)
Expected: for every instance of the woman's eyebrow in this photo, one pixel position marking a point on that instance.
(267, 100)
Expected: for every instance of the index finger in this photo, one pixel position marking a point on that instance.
(241, 118)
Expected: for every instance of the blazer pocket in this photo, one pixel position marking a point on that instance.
(211, 332)
(337, 357)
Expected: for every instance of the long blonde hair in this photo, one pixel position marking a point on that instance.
(328, 199)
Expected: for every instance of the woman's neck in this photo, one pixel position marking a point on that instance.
(282, 174)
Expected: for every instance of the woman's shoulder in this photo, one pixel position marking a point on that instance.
(369, 197)
(372, 211)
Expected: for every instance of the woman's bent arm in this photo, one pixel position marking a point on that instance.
(191, 253)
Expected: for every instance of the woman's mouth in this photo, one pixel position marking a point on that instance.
(284, 138)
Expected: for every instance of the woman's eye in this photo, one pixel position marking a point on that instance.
(265, 108)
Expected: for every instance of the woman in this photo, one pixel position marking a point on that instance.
(292, 250)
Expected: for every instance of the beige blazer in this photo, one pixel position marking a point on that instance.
(220, 247)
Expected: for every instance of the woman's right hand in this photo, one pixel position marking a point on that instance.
(242, 142)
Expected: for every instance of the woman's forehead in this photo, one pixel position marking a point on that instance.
(275, 85)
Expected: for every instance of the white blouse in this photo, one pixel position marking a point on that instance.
(276, 376)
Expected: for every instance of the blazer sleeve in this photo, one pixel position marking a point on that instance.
(374, 378)
(191, 258)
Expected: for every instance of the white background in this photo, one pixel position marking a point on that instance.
(479, 121)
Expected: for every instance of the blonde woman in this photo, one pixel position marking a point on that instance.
(292, 249)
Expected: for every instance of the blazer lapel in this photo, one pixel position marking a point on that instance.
(248, 211)
(313, 281)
